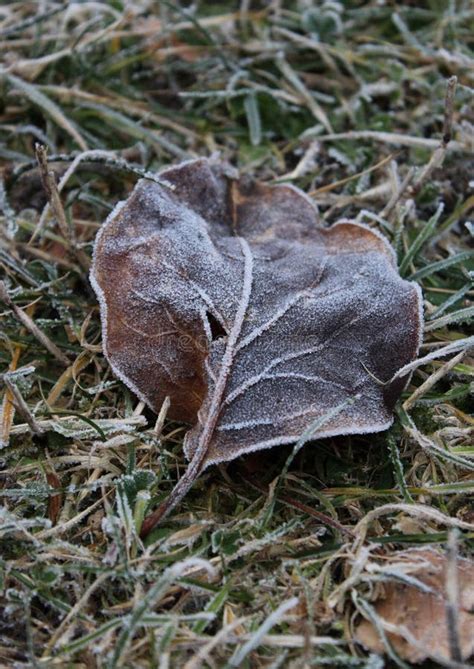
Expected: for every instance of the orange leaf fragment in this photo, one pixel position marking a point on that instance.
(419, 614)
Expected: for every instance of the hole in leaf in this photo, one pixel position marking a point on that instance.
(217, 330)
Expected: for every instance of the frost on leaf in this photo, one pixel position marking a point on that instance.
(227, 296)
(414, 611)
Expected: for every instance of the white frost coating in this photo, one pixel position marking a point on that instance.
(208, 302)
(283, 440)
(454, 347)
(257, 637)
(206, 326)
(263, 374)
(234, 334)
(266, 326)
(421, 316)
(301, 194)
(183, 163)
(303, 377)
(103, 303)
(311, 410)
(390, 250)
(209, 370)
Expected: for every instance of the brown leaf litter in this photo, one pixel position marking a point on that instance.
(416, 616)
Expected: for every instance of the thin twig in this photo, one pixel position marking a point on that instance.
(341, 182)
(52, 192)
(21, 406)
(49, 184)
(449, 110)
(437, 159)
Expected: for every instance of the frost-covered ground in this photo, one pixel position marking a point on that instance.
(260, 566)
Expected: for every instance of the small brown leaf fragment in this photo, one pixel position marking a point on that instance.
(227, 296)
(419, 614)
(55, 500)
(7, 410)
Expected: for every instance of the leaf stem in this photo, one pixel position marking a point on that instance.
(180, 490)
(197, 462)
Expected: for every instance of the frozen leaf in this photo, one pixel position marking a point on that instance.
(227, 296)
(418, 609)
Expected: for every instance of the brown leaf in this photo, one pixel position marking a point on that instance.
(7, 409)
(420, 615)
(227, 296)
(55, 500)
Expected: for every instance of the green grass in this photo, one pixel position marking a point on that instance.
(287, 92)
